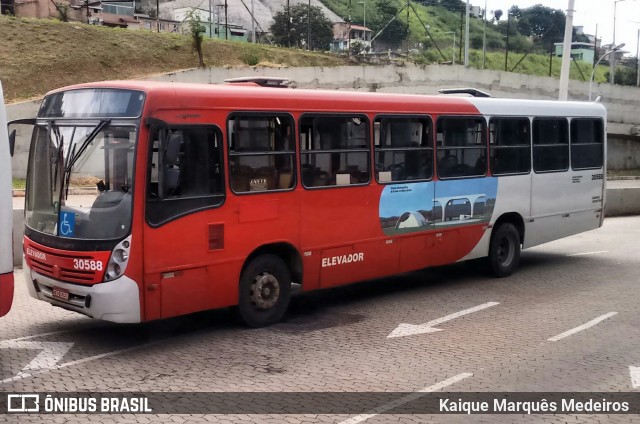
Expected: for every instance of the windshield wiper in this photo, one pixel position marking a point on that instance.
(74, 155)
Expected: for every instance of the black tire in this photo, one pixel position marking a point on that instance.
(264, 292)
(504, 250)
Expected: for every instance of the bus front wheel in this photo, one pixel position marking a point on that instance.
(504, 251)
(265, 290)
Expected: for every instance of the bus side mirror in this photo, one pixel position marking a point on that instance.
(171, 170)
(173, 149)
(12, 142)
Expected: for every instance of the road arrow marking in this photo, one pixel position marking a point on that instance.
(589, 253)
(635, 376)
(410, 329)
(52, 353)
(582, 327)
(406, 399)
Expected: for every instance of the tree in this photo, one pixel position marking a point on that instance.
(294, 33)
(196, 30)
(543, 24)
(396, 31)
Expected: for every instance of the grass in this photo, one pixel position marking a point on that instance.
(623, 173)
(19, 183)
(39, 55)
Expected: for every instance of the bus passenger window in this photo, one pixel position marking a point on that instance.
(510, 145)
(334, 150)
(461, 147)
(403, 149)
(261, 152)
(587, 143)
(550, 144)
(185, 172)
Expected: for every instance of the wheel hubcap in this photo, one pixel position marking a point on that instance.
(265, 291)
(505, 252)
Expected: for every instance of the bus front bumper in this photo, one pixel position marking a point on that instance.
(115, 301)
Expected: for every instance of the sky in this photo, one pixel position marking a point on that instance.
(588, 13)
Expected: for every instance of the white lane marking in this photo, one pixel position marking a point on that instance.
(634, 372)
(24, 375)
(581, 327)
(410, 329)
(589, 253)
(50, 334)
(407, 399)
(52, 353)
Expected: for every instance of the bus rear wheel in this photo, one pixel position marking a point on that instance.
(504, 251)
(265, 290)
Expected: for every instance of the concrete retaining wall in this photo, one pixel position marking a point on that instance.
(621, 102)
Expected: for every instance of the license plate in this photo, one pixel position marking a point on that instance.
(59, 293)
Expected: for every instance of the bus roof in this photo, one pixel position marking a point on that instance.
(170, 95)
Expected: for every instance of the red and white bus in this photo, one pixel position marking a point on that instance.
(6, 215)
(149, 200)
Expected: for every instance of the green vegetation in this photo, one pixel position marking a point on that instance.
(19, 183)
(39, 55)
(532, 31)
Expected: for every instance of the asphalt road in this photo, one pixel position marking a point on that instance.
(568, 320)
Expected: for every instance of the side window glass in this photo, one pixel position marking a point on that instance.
(334, 150)
(550, 144)
(261, 153)
(587, 143)
(510, 145)
(185, 172)
(461, 147)
(403, 149)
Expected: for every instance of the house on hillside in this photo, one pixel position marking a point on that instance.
(213, 24)
(345, 36)
(94, 12)
(580, 51)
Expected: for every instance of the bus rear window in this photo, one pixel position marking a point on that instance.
(587, 143)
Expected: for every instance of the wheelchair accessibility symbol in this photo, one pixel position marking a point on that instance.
(67, 224)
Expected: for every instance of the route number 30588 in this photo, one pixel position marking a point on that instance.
(87, 265)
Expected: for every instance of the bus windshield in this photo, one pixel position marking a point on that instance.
(80, 179)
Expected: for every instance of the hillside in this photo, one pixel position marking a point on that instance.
(40, 55)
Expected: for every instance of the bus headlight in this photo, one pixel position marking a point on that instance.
(118, 260)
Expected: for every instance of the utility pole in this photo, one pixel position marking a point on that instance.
(466, 38)
(253, 24)
(309, 26)
(288, 25)
(157, 13)
(484, 36)
(566, 54)
(349, 31)
(506, 53)
(210, 21)
(226, 21)
(638, 60)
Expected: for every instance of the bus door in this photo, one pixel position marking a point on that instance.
(555, 191)
(464, 195)
(568, 160)
(185, 183)
(339, 223)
